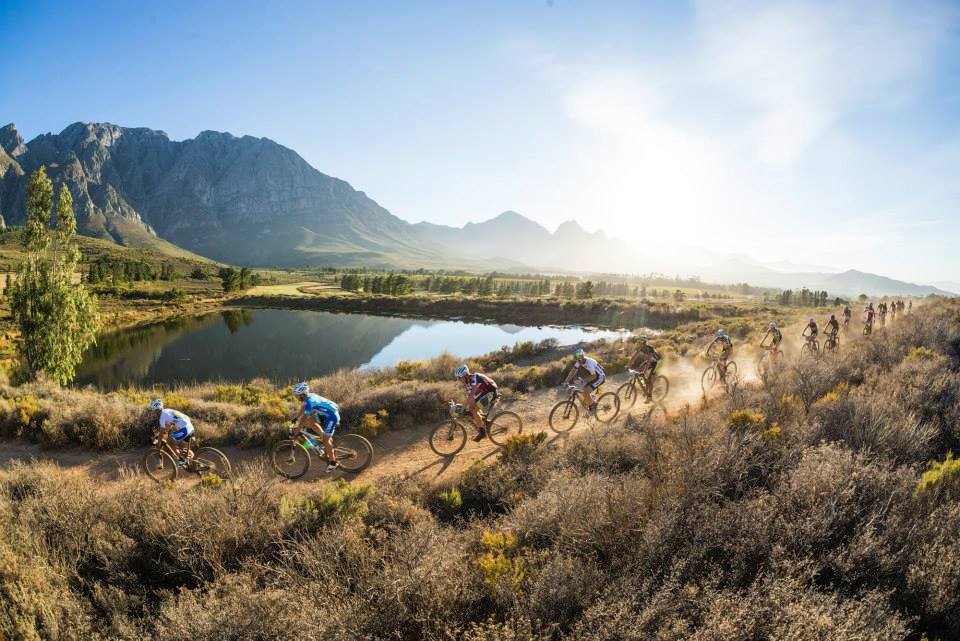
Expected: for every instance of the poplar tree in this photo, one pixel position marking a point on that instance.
(56, 317)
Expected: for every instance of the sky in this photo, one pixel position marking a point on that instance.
(819, 133)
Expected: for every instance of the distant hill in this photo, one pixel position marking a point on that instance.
(239, 200)
(518, 239)
(251, 201)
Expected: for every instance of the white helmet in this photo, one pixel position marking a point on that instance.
(773, 325)
(811, 319)
(156, 404)
(461, 371)
(301, 388)
(721, 332)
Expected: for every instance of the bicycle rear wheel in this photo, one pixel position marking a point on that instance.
(608, 407)
(448, 438)
(628, 394)
(160, 466)
(354, 453)
(709, 378)
(211, 460)
(503, 426)
(290, 459)
(563, 416)
(661, 387)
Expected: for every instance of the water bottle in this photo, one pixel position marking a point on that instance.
(313, 443)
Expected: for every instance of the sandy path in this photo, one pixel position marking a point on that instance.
(407, 452)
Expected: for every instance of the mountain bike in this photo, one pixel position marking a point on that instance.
(163, 462)
(771, 356)
(565, 414)
(846, 323)
(867, 328)
(447, 439)
(831, 343)
(811, 348)
(717, 373)
(637, 385)
(291, 456)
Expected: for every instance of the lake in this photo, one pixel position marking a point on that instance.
(242, 344)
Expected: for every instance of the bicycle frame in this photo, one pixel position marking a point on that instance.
(162, 443)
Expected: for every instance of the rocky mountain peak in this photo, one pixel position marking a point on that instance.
(11, 141)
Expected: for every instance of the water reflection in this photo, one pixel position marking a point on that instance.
(242, 344)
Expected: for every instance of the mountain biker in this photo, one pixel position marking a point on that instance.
(775, 336)
(847, 313)
(177, 426)
(582, 363)
(726, 347)
(868, 317)
(812, 329)
(320, 415)
(647, 361)
(482, 395)
(909, 306)
(833, 326)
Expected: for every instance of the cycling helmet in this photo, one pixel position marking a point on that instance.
(156, 404)
(833, 317)
(773, 325)
(579, 354)
(721, 332)
(301, 388)
(461, 371)
(642, 339)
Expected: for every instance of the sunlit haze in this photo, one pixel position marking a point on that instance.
(824, 134)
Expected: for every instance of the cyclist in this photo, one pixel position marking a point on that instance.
(726, 348)
(868, 318)
(775, 336)
(909, 306)
(647, 361)
(847, 313)
(813, 332)
(320, 415)
(582, 363)
(833, 326)
(482, 395)
(177, 426)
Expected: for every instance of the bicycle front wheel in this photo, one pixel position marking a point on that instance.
(354, 453)
(208, 460)
(709, 378)
(628, 395)
(448, 438)
(732, 375)
(503, 426)
(563, 416)
(160, 466)
(661, 387)
(608, 407)
(290, 459)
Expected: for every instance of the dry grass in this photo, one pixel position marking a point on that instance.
(698, 526)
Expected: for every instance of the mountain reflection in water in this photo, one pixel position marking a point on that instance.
(243, 344)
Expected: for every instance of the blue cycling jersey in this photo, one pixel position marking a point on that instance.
(324, 411)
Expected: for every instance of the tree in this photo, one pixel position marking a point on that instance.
(57, 319)
(198, 273)
(585, 289)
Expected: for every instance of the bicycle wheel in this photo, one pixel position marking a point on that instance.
(661, 387)
(448, 438)
(210, 459)
(354, 453)
(608, 406)
(709, 378)
(160, 466)
(764, 363)
(503, 426)
(564, 416)
(628, 394)
(732, 376)
(290, 459)
(805, 351)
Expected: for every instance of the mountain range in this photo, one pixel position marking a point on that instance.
(251, 201)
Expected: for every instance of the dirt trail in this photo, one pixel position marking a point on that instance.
(407, 452)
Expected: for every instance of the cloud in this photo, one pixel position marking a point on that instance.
(799, 67)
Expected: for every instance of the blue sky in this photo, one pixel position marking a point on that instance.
(821, 133)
